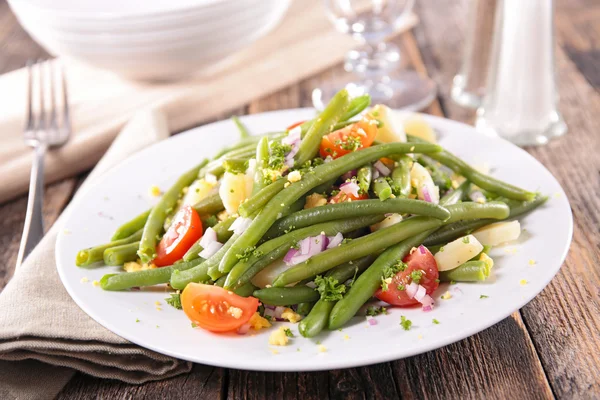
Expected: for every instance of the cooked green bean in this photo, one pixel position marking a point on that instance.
(382, 188)
(304, 308)
(211, 204)
(364, 177)
(147, 277)
(356, 106)
(94, 254)
(260, 199)
(236, 165)
(223, 235)
(357, 248)
(220, 282)
(216, 168)
(154, 224)
(262, 162)
(276, 248)
(131, 227)
(247, 143)
(332, 212)
(351, 269)
(492, 209)
(370, 281)
(439, 177)
(471, 271)
(484, 181)
(244, 133)
(246, 290)
(317, 319)
(119, 255)
(286, 296)
(401, 175)
(309, 146)
(456, 195)
(320, 174)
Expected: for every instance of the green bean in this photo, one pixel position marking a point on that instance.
(262, 162)
(401, 175)
(309, 146)
(119, 255)
(492, 209)
(357, 248)
(320, 174)
(216, 168)
(260, 199)
(286, 296)
(276, 248)
(370, 281)
(246, 290)
(458, 229)
(147, 277)
(382, 189)
(304, 308)
(351, 269)
(201, 272)
(131, 227)
(235, 165)
(456, 195)
(331, 212)
(211, 204)
(223, 235)
(94, 254)
(220, 282)
(471, 271)
(356, 106)
(440, 178)
(154, 224)
(483, 181)
(364, 177)
(247, 143)
(317, 319)
(244, 133)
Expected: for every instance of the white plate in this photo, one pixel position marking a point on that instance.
(123, 192)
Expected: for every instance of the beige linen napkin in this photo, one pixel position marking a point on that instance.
(302, 45)
(40, 322)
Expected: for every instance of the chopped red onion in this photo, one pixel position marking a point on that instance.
(240, 225)
(426, 194)
(477, 196)
(242, 330)
(372, 321)
(208, 237)
(422, 249)
(375, 173)
(294, 135)
(309, 247)
(427, 302)
(350, 188)
(335, 240)
(305, 246)
(411, 290)
(299, 258)
(210, 250)
(382, 168)
(427, 308)
(328, 159)
(421, 293)
(289, 255)
(349, 175)
(311, 285)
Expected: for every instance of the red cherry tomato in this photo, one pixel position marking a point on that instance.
(342, 197)
(216, 309)
(185, 230)
(415, 261)
(359, 135)
(292, 126)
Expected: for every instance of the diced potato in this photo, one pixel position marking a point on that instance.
(391, 128)
(268, 274)
(421, 179)
(416, 125)
(388, 221)
(457, 252)
(234, 189)
(498, 233)
(196, 192)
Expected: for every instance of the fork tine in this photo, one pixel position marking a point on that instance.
(66, 113)
(53, 123)
(29, 126)
(42, 111)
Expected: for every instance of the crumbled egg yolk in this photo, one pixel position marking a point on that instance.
(223, 215)
(532, 262)
(235, 312)
(480, 200)
(346, 337)
(96, 283)
(278, 337)
(315, 200)
(523, 282)
(157, 303)
(294, 176)
(155, 191)
(286, 184)
(446, 296)
(257, 322)
(84, 280)
(291, 316)
(322, 349)
(133, 266)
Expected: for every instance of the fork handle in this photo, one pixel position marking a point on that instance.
(33, 230)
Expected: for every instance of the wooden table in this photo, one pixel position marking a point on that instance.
(550, 348)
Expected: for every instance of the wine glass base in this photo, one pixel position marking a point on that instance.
(407, 91)
(530, 137)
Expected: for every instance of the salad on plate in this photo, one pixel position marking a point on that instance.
(346, 214)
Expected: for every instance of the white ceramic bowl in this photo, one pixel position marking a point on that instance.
(160, 43)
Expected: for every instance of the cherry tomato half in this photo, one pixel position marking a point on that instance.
(216, 309)
(185, 230)
(342, 197)
(359, 135)
(292, 126)
(415, 261)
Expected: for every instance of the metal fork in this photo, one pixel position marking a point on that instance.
(45, 128)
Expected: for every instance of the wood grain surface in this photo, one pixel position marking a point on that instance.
(550, 348)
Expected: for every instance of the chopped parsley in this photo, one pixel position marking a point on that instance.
(210, 221)
(268, 318)
(483, 296)
(465, 240)
(405, 323)
(288, 332)
(374, 311)
(401, 287)
(453, 282)
(174, 301)
(389, 272)
(194, 325)
(441, 249)
(416, 276)
(350, 143)
(247, 253)
(329, 288)
(435, 321)
(137, 320)
(277, 154)
(346, 240)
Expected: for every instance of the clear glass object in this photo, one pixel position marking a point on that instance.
(468, 86)
(521, 97)
(376, 63)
